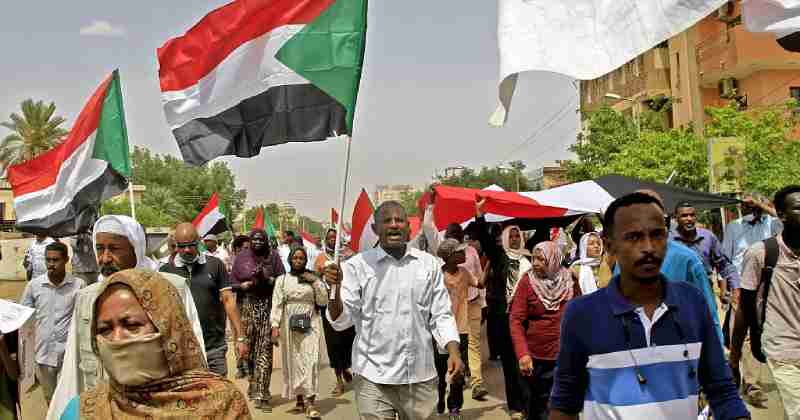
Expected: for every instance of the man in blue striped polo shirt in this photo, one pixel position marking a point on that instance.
(644, 347)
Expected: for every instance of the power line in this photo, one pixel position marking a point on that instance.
(557, 117)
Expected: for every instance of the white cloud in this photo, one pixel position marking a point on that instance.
(103, 28)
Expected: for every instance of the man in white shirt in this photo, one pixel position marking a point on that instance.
(395, 297)
(213, 249)
(34, 256)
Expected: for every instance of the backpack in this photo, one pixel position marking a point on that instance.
(757, 327)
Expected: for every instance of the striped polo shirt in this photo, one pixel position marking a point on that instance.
(616, 363)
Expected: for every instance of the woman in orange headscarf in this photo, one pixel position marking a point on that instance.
(153, 360)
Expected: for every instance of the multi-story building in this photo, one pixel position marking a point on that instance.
(391, 192)
(713, 63)
(548, 176)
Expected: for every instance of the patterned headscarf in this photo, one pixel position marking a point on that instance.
(190, 391)
(558, 285)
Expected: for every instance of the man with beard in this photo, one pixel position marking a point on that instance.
(770, 297)
(119, 243)
(644, 346)
(394, 295)
(705, 244)
(208, 281)
(254, 273)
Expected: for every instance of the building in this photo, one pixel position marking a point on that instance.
(8, 216)
(391, 193)
(714, 63)
(549, 176)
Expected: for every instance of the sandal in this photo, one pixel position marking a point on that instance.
(338, 390)
(312, 412)
(298, 408)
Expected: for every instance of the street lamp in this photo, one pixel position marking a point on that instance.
(637, 112)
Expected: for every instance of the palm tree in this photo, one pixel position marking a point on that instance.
(33, 133)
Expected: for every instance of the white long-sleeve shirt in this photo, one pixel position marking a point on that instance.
(395, 306)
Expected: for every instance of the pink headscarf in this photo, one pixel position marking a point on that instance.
(558, 285)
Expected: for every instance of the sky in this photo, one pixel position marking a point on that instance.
(428, 88)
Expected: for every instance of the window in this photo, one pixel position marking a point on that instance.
(2, 211)
(623, 74)
(678, 71)
(794, 92)
(636, 63)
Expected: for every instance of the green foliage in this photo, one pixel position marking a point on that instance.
(409, 201)
(33, 133)
(612, 146)
(510, 178)
(177, 192)
(771, 154)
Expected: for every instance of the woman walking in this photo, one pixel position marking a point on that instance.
(591, 268)
(296, 324)
(507, 257)
(338, 343)
(540, 300)
(256, 269)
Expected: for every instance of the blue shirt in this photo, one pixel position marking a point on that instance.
(706, 245)
(682, 264)
(597, 366)
(741, 233)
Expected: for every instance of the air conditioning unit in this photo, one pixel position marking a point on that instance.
(725, 12)
(727, 88)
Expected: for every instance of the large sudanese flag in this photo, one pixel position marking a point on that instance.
(256, 73)
(59, 192)
(211, 219)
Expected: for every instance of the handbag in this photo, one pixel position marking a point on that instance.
(300, 322)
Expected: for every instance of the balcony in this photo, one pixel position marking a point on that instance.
(738, 53)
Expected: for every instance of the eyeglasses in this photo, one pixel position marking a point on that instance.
(183, 245)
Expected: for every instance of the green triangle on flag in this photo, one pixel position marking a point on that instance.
(329, 52)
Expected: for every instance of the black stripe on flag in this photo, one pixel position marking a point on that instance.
(281, 114)
(81, 213)
(790, 42)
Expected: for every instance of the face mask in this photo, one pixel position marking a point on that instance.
(187, 259)
(135, 361)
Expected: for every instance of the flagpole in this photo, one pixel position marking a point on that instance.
(336, 255)
(130, 198)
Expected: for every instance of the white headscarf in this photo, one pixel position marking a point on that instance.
(586, 279)
(131, 229)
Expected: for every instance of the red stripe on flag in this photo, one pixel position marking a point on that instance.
(212, 204)
(259, 219)
(457, 205)
(361, 215)
(42, 171)
(184, 60)
(307, 237)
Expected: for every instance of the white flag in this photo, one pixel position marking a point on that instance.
(781, 17)
(584, 39)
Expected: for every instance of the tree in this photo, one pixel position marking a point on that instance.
(177, 192)
(612, 146)
(33, 133)
(506, 177)
(409, 201)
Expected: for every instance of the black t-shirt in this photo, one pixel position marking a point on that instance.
(206, 282)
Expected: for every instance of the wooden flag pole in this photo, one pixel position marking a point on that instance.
(336, 255)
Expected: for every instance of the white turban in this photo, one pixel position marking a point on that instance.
(131, 229)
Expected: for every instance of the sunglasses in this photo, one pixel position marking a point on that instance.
(181, 245)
